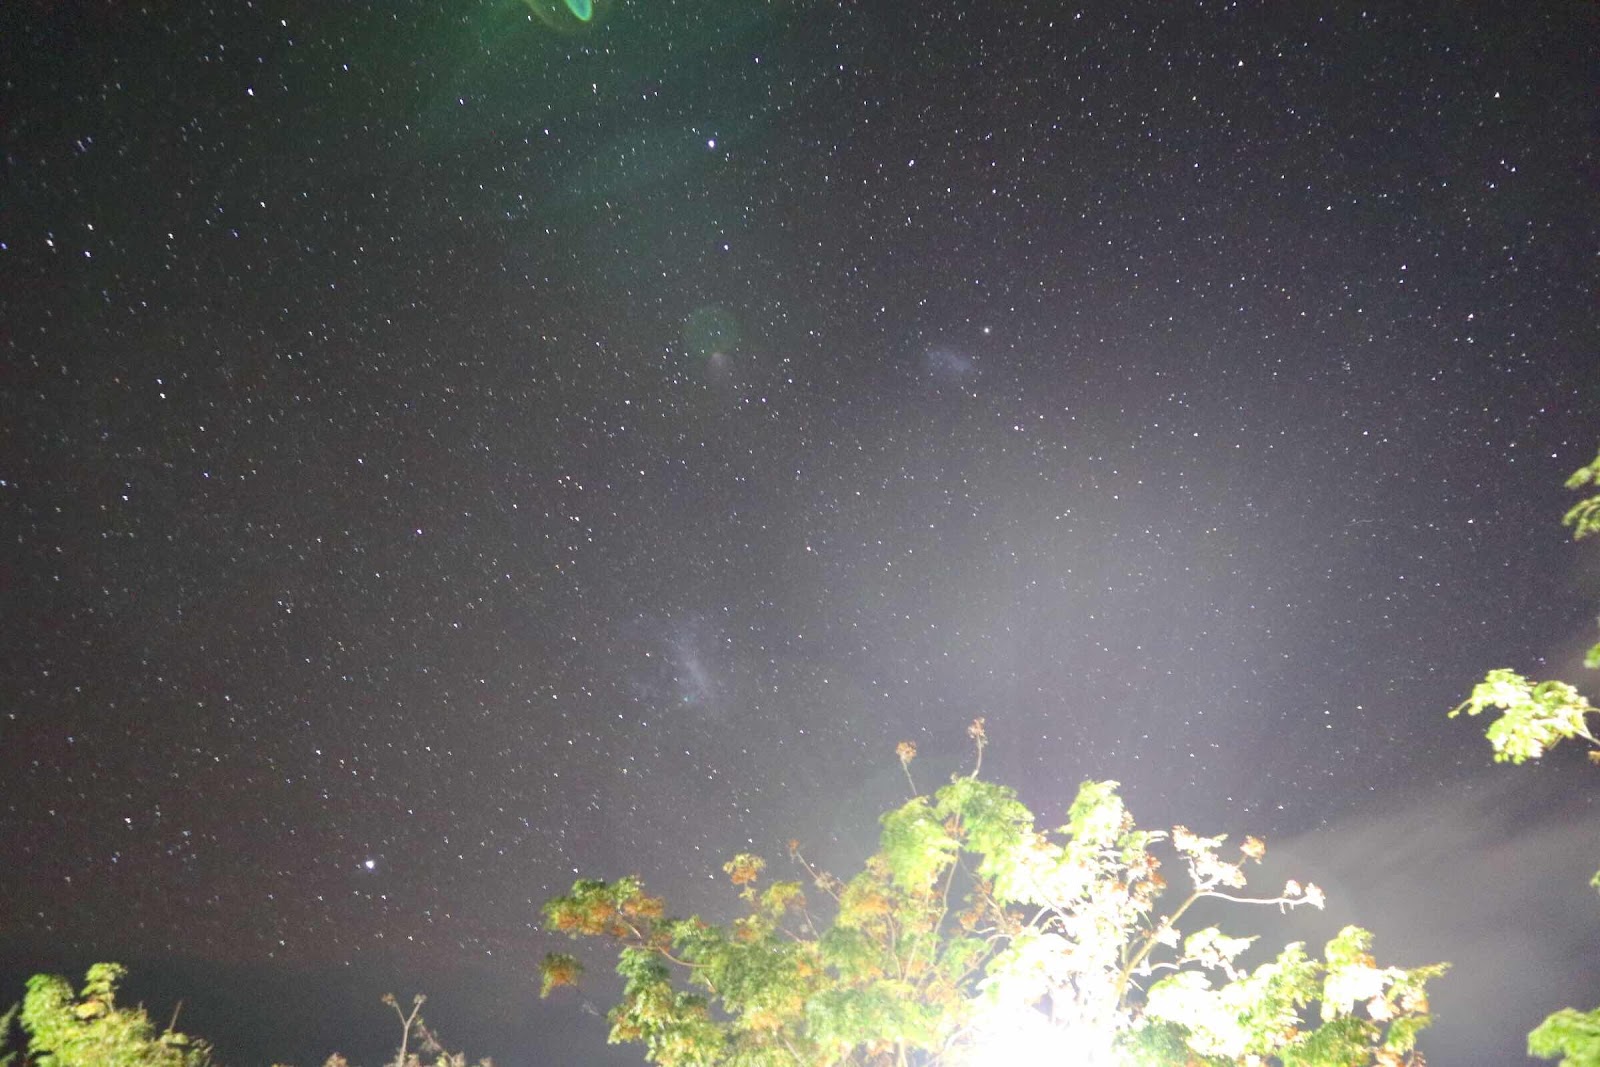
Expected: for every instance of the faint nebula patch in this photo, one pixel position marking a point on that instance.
(691, 670)
(948, 365)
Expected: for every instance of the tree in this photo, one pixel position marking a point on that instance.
(972, 936)
(89, 1029)
(1534, 717)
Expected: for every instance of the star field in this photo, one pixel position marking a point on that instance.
(442, 456)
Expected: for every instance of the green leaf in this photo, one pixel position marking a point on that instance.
(1535, 715)
(556, 970)
(91, 1031)
(1570, 1034)
(1097, 816)
(915, 846)
(1584, 516)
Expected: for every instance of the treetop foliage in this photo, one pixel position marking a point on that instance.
(1534, 715)
(89, 1030)
(1584, 516)
(1572, 1035)
(971, 927)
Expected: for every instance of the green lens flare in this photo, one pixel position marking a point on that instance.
(563, 15)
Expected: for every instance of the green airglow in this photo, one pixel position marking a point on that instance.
(582, 10)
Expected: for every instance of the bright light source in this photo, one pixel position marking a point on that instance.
(1024, 1037)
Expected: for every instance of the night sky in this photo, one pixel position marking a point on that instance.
(443, 451)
